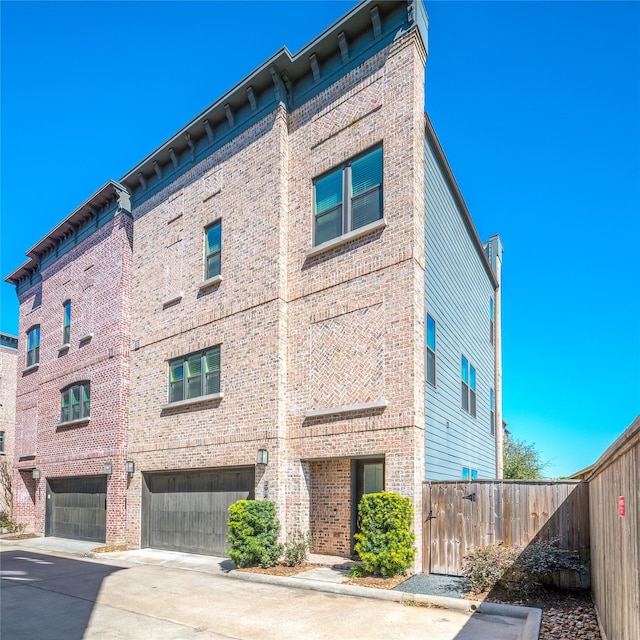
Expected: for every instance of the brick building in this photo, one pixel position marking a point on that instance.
(315, 316)
(73, 373)
(8, 364)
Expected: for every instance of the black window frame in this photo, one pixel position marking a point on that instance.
(33, 353)
(66, 322)
(346, 204)
(207, 256)
(2, 434)
(84, 405)
(468, 391)
(430, 351)
(209, 381)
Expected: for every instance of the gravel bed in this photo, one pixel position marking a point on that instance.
(435, 585)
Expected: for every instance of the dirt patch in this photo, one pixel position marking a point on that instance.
(21, 536)
(378, 582)
(566, 615)
(112, 547)
(281, 569)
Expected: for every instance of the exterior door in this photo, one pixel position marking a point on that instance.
(188, 510)
(369, 478)
(77, 508)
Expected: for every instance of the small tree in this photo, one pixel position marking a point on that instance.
(521, 460)
(253, 533)
(385, 541)
(6, 488)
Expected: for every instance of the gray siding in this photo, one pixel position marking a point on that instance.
(457, 291)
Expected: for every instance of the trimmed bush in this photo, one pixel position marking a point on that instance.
(253, 533)
(385, 541)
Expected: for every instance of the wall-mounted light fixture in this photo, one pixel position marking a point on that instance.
(130, 466)
(107, 468)
(263, 457)
(35, 474)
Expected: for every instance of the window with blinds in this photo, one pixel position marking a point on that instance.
(195, 375)
(349, 197)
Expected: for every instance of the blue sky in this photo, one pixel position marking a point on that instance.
(537, 106)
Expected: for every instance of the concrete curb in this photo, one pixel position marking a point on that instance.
(532, 617)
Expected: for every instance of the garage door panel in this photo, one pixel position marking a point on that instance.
(76, 508)
(188, 511)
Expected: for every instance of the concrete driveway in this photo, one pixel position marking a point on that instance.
(50, 597)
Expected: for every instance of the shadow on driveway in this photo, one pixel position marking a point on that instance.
(46, 596)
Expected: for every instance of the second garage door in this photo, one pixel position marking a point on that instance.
(188, 510)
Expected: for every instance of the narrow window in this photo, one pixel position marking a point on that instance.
(75, 402)
(195, 375)
(66, 323)
(349, 197)
(468, 386)
(33, 346)
(491, 324)
(474, 474)
(431, 350)
(492, 413)
(1, 441)
(466, 473)
(213, 250)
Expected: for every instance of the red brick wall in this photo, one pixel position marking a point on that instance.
(96, 276)
(330, 506)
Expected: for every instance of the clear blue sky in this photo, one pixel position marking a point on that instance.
(537, 106)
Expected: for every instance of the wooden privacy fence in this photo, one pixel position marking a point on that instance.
(460, 516)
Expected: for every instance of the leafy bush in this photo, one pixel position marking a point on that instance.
(485, 566)
(297, 548)
(9, 526)
(385, 541)
(253, 533)
(516, 569)
(356, 571)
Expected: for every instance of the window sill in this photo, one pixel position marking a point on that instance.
(73, 423)
(85, 338)
(63, 347)
(32, 367)
(350, 408)
(191, 401)
(209, 282)
(347, 237)
(172, 300)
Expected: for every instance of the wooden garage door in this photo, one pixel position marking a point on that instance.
(77, 508)
(188, 510)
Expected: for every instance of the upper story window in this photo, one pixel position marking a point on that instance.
(491, 324)
(468, 386)
(66, 322)
(492, 413)
(349, 197)
(75, 402)
(1, 441)
(195, 375)
(213, 250)
(431, 350)
(33, 346)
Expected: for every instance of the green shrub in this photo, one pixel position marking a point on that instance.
(253, 533)
(385, 541)
(516, 569)
(9, 526)
(356, 571)
(485, 566)
(297, 548)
